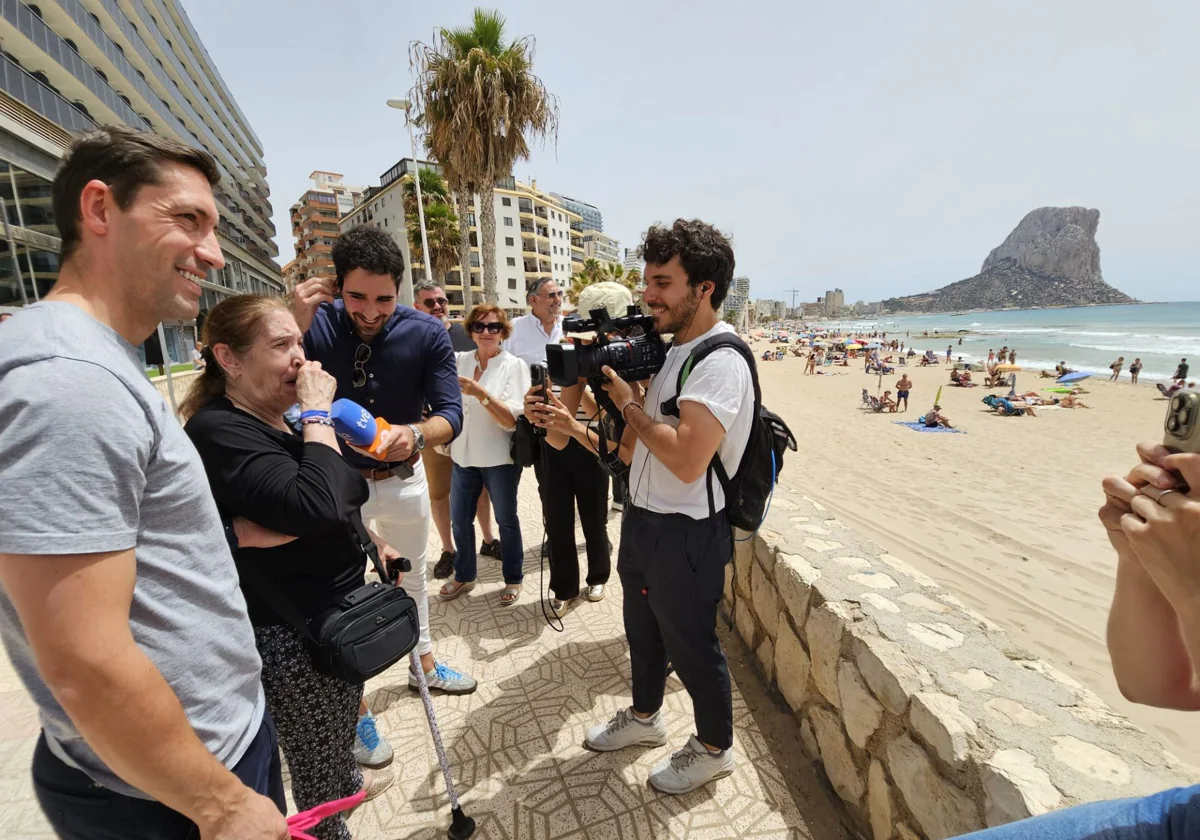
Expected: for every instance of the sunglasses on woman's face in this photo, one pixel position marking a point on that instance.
(493, 328)
(361, 356)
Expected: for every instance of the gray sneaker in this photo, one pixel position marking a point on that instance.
(370, 748)
(625, 730)
(595, 593)
(690, 768)
(445, 679)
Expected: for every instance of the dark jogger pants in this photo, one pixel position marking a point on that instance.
(672, 568)
(573, 476)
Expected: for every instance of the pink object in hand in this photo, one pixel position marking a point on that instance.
(309, 819)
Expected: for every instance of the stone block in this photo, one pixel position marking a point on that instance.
(766, 658)
(974, 679)
(873, 580)
(916, 599)
(764, 553)
(879, 802)
(835, 754)
(809, 740)
(1016, 788)
(1092, 761)
(794, 578)
(939, 636)
(792, 667)
(945, 727)
(1013, 713)
(766, 600)
(743, 619)
(820, 546)
(941, 809)
(880, 603)
(889, 672)
(824, 629)
(861, 712)
(854, 563)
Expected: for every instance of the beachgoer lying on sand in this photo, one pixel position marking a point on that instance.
(1072, 402)
(935, 418)
(1151, 523)
(767, 355)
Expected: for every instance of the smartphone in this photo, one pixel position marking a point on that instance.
(1182, 426)
(540, 378)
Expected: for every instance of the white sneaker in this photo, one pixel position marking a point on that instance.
(595, 593)
(690, 768)
(370, 748)
(625, 730)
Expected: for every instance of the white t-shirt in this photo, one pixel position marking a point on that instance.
(722, 384)
(482, 442)
(528, 339)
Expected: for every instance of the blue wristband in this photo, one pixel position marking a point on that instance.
(316, 412)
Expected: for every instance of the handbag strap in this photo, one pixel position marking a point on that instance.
(270, 592)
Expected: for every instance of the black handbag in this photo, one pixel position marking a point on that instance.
(525, 448)
(365, 633)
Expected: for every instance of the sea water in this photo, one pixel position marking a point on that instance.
(1088, 338)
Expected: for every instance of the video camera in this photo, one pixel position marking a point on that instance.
(637, 354)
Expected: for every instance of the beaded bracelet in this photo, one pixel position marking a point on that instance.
(317, 421)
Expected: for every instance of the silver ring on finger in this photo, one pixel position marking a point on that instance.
(1163, 495)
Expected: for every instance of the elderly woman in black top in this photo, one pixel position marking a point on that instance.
(275, 481)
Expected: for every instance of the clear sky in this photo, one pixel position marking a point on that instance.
(883, 146)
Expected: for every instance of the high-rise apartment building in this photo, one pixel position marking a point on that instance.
(536, 237)
(736, 299)
(315, 222)
(633, 260)
(593, 219)
(599, 246)
(68, 66)
(835, 301)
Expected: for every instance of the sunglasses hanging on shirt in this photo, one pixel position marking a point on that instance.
(361, 356)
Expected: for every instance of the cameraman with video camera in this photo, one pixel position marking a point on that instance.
(675, 537)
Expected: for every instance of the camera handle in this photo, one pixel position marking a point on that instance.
(611, 461)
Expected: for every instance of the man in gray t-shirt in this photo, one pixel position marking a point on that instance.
(119, 601)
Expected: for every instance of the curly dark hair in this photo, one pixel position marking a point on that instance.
(370, 249)
(704, 252)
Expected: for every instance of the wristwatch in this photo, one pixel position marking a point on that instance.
(485, 401)
(418, 437)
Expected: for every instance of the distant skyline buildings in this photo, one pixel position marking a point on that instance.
(593, 219)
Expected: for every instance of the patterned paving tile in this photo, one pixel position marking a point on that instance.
(515, 745)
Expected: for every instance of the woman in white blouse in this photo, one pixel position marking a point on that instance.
(494, 383)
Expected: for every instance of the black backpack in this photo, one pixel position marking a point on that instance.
(747, 492)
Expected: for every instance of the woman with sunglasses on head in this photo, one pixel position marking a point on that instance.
(494, 383)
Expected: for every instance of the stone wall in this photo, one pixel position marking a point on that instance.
(927, 720)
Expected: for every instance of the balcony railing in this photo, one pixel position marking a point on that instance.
(24, 88)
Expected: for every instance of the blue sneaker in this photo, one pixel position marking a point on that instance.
(445, 679)
(370, 748)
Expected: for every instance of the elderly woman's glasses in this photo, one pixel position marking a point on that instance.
(493, 328)
(361, 356)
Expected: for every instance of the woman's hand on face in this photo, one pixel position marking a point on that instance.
(315, 388)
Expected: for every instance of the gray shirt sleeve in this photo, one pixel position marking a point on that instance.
(74, 445)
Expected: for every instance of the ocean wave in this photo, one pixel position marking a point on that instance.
(1132, 349)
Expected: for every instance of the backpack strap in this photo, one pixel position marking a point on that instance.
(671, 407)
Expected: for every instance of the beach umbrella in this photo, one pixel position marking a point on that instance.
(1079, 376)
(853, 346)
(874, 345)
(1008, 368)
(938, 399)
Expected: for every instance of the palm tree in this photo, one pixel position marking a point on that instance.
(441, 228)
(441, 223)
(591, 272)
(479, 100)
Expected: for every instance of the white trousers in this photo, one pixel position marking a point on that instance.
(398, 511)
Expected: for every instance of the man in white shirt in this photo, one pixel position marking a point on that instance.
(676, 538)
(543, 325)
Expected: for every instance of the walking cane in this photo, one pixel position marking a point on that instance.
(461, 826)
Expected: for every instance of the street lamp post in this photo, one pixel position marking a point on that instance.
(405, 105)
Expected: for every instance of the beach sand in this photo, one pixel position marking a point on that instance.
(1004, 516)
